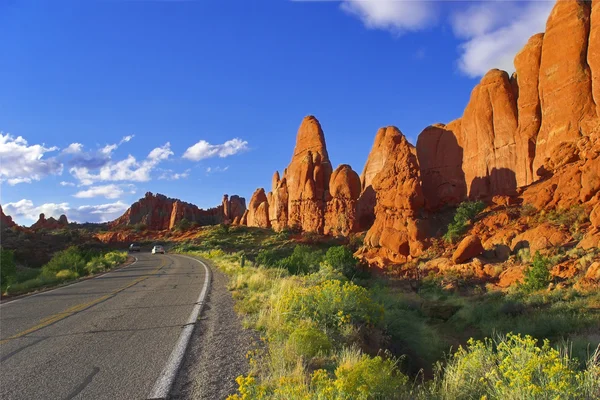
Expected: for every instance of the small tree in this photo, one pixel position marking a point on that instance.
(537, 276)
(341, 259)
(466, 211)
(7, 266)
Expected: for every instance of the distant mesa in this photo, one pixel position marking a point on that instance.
(159, 212)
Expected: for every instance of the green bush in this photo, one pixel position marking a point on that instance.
(341, 259)
(308, 341)
(465, 212)
(303, 260)
(537, 276)
(71, 259)
(222, 229)
(7, 266)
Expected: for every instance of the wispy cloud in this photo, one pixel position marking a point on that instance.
(111, 191)
(212, 170)
(494, 31)
(203, 149)
(174, 176)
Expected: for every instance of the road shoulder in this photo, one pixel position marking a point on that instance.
(216, 352)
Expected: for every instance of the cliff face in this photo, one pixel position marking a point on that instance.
(159, 212)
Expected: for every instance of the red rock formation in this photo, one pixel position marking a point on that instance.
(50, 223)
(380, 152)
(258, 210)
(488, 129)
(396, 234)
(340, 215)
(159, 212)
(307, 178)
(6, 221)
(565, 80)
(527, 64)
(278, 203)
(440, 153)
(233, 208)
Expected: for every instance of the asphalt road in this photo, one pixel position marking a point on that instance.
(103, 338)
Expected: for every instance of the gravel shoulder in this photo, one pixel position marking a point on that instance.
(217, 351)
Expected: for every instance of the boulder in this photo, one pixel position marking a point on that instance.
(468, 248)
(593, 272)
(595, 216)
(542, 237)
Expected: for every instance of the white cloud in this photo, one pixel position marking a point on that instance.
(396, 16)
(495, 31)
(25, 210)
(22, 163)
(73, 148)
(64, 183)
(111, 191)
(203, 149)
(126, 139)
(128, 169)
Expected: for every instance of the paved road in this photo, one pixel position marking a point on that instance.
(103, 338)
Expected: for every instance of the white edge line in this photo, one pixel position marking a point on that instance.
(165, 381)
(28, 296)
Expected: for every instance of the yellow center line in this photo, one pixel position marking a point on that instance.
(79, 307)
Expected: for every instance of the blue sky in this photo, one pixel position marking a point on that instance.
(102, 101)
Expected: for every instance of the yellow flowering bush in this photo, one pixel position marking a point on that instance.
(514, 367)
(330, 304)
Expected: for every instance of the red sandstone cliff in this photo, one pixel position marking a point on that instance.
(6, 221)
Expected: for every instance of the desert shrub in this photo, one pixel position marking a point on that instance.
(528, 210)
(140, 227)
(537, 275)
(360, 377)
(465, 212)
(183, 225)
(308, 341)
(330, 304)
(7, 266)
(222, 229)
(115, 257)
(303, 260)
(514, 367)
(310, 237)
(71, 259)
(524, 255)
(341, 259)
(66, 274)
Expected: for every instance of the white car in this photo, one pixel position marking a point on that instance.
(158, 249)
